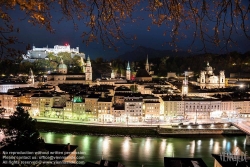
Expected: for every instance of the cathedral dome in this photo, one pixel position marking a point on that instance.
(62, 66)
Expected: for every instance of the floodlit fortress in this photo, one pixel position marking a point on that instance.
(58, 48)
(42, 53)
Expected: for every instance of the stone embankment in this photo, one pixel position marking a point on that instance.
(97, 130)
(154, 131)
(204, 129)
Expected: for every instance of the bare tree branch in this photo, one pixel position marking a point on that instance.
(104, 20)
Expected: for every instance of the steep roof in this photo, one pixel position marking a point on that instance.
(142, 73)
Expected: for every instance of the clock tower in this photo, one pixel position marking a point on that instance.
(88, 70)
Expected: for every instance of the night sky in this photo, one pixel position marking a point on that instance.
(65, 33)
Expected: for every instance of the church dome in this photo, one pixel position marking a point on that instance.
(62, 66)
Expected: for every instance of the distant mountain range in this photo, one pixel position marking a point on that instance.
(141, 52)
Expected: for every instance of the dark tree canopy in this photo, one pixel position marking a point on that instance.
(21, 133)
(104, 20)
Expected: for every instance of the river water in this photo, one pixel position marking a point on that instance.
(149, 151)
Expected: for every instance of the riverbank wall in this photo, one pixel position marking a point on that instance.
(97, 130)
(184, 130)
(217, 129)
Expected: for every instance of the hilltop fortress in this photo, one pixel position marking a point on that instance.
(42, 53)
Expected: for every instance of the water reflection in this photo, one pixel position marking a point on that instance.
(216, 148)
(67, 138)
(85, 143)
(163, 146)
(126, 148)
(48, 138)
(192, 148)
(211, 144)
(235, 142)
(170, 150)
(106, 146)
(224, 143)
(147, 147)
(148, 151)
(198, 145)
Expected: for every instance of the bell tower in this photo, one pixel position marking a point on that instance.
(128, 72)
(184, 91)
(147, 65)
(31, 79)
(88, 70)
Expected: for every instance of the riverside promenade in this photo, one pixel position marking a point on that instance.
(128, 129)
(140, 129)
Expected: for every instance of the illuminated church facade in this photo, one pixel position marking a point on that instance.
(208, 80)
(61, 76)
(141, 74)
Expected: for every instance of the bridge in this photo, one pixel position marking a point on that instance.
(245, 127)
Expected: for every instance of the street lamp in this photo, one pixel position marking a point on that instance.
(196, 117)
(151, 119)
(57, 113)
(127, 119)
(63, 115)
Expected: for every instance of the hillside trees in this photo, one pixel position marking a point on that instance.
(51, 63)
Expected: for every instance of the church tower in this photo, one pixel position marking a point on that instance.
(147, 65)
(82, 64)
(222, 79)
(88, 70)
(113, 74)
(62, 68)
(128, 72)
(202, 79)
(31, 79)
(184, 91)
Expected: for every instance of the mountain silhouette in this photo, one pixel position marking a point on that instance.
(141, 52)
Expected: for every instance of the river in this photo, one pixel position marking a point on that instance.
(149, 151)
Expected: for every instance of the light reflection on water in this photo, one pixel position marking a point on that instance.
(148, 151)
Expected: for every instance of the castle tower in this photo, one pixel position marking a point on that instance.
(88, 70)
(184, 91)
(31, 79)
(128, 72)
(147, 65)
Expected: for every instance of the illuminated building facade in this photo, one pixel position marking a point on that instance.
(42, 53)
(208, 80)
(151, 108)
(133, 108)
(105, 110)
(62, 76)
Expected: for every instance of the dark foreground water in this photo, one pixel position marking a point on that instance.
(133, 152)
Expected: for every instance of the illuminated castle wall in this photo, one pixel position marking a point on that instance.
(42, 53)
